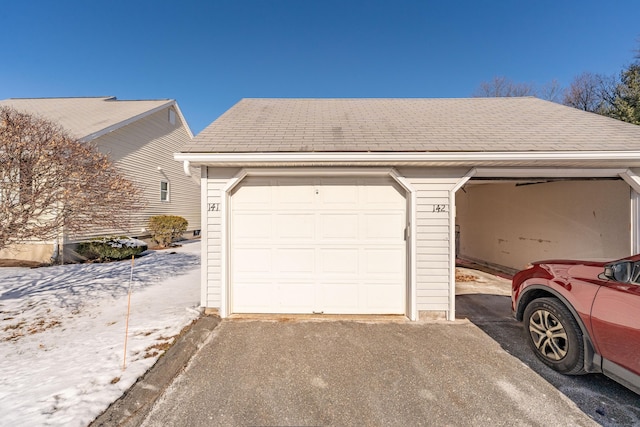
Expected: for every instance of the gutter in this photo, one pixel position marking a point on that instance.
(628, 158)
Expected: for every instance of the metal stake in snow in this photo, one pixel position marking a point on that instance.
(126, 332)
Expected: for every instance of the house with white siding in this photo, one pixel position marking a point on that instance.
(140, 137)
(362, 206)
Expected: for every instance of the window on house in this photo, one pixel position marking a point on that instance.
(164, 191)
(172, 116)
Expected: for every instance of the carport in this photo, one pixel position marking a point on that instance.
(506, 219)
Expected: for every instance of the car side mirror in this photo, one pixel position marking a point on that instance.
(608, 272)
(620, 272)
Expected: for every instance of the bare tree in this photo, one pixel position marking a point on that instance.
(551, 91)
(51, 183)
(590, 92)
(612, 96)
(501, 86)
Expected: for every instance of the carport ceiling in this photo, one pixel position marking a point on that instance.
(531, 181)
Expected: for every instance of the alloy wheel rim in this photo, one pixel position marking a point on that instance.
(548, 334)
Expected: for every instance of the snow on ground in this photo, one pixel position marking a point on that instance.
(62, 332)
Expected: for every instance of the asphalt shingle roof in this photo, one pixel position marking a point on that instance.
(83, 117)
(411, 125)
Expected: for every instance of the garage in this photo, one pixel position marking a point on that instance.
(359, 206)
(318, 245)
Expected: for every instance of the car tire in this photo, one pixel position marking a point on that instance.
(554, 335)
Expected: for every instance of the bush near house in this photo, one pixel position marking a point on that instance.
(165, 229)
(111, 248)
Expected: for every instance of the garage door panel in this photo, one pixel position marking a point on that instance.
(254, 297)
(339, 298)
(381, 296)
(295, 226)
(295, 261)
(252, 260)
(381, 197)
(296, 297)
(294, 197)
(384, 226)
(339, 261)
(361, 298)
(339, 226)
(252, 226)
(261, 297)
(383, 261)
(338, 196)
(250, 197)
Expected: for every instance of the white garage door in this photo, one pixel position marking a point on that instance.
(321, 245)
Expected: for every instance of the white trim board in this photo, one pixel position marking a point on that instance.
(626, 157)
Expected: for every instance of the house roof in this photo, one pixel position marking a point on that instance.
(411, 125)
(89, 118)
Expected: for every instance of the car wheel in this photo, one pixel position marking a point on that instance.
(554, 335)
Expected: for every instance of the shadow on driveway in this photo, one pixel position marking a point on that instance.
(604, 400)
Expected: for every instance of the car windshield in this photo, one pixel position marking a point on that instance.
(635, 272)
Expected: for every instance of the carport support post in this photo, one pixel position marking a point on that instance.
(631, 178)
(635, 222)
(451, 314)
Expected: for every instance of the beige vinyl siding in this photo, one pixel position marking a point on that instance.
(217, 179)
(139, 149)
(433, 243)
(433, 246)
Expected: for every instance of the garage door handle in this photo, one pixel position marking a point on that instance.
(318, 312)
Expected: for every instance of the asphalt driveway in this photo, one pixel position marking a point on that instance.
(357, 373)
(474, 371)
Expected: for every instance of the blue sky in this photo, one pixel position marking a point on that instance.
(209, 54)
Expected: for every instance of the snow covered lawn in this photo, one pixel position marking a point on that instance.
(62, 332)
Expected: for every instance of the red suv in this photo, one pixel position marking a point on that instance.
(582, 316)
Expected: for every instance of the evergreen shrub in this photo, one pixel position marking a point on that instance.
(111, 248)
(165, 229)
